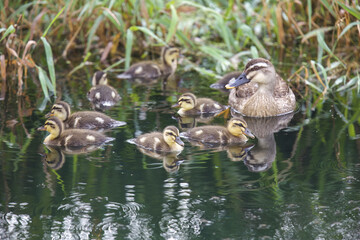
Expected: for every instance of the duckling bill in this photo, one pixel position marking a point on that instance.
(167, 141)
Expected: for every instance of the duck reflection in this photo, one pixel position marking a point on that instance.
(263, 154)
(170, 160)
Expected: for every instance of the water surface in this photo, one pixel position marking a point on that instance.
(306, 187)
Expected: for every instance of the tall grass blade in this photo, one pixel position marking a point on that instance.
(249, 33)
(129, 43)
(323, 45)
(50, 63)
(52, 22)
(148, 32)
(173, 24)
(309, 13)
(8, 31)
(42, 78)
(92, 31)
(347, 28)
(112, 17)
(351, 10)
(328, 7)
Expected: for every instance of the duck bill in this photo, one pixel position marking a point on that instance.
(175, 105)
(233, 83)
(50, 114)
(248, 133)
(179, 141)
(42, 128)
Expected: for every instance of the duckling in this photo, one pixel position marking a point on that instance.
(151, 69)
(83, 119)
(190, 105)
(167, 141)
(71, 137)
(101, 93)
(236, 132)
(225, 80)
(271, 96)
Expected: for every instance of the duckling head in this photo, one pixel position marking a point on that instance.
(238, 127)
(258, 70)
(172, 138)
(170, 57)
(99, 78)
(54, 126)
(60, 110)
(186, 102)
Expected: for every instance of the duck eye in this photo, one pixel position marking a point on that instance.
(173, 60)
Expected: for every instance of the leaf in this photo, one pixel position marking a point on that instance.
(112, 17)
(92, 31)
(249, 33)
(148, 32)
(323, 45)
(173, 24)
(351, 10)
(129, 42)
(50, 62)
(309, 13)
(42, 78)
(347, 28)
(8, 31)
(52, 22)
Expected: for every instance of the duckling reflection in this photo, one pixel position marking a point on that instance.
(55, 158)
(263, 154)
(187, 122)
(235, 152)
(170, 160)
(101, 95)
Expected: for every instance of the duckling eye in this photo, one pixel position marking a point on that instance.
(173, 60)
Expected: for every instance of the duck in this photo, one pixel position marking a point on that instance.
(151, 69)
(167, 141)
(59, 136)
(101, 93)
(83, 119)
(191, 106)
(260, 92)
(236, 132)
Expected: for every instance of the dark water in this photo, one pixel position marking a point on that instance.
(301, 182)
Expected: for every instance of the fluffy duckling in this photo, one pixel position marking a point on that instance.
(83, 119)
(71, 137)
(268, 96)
(152, 69)
(101, 92)
(190, 105)
(236, 132)
(224, 81)
(167, 141)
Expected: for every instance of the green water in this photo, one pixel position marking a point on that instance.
(306, 187)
